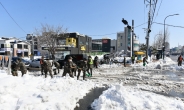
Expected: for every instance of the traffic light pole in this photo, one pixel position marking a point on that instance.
(132, 38)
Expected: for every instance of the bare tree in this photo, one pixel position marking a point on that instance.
(159, 40)
(142, 47)
(48, 35)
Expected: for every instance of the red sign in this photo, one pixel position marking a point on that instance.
(104, 41)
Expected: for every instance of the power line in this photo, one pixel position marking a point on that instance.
(116, 33)
(103, 34)
(12, 17)
(158, 9)
(169, 25)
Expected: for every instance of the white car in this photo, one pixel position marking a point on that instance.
(35, 63)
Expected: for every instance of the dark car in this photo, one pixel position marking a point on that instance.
(75, 58)
(14, 59)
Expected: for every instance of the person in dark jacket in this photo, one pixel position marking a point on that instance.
(41, 64)
(74, 69)
(180, 59)
(144, 61)
(57, 67)
(14, 68)
(82, 66)
(47, 68)
(96, 61)
(22, 66)
(68, 67)
(124, 61)
(133, 59)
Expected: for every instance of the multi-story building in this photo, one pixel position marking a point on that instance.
(71, 43)
(124, 40)
(104, 45)
(33, 40)
(15, 46)
(96, 45)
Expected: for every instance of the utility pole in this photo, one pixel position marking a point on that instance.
(148, 30)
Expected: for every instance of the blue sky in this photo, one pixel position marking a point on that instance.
(90, 17)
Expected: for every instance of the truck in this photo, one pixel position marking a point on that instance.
(75, 59)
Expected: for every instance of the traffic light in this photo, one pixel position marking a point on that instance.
(124, 21)
(129, 27)
(149, 31)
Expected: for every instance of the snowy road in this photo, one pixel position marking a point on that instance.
(164, 82)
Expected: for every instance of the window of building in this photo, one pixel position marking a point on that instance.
(35, 53)
(19, 46)
(68, 40)
(26, 54)
(35, 39)
(19, 54)
(26, 46)
(121, 44)
(121, 37)
(35, 43)
(2, 45)
(11, 46)
(35, 47)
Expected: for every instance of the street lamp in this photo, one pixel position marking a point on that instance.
(164, 32)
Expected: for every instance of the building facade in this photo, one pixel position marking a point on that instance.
(71, 43)
(33, 40)
(96, 45)
(17, 47)
(104, 45)
(124, 40)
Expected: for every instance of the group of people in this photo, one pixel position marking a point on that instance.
(85, 66)
(18, 65)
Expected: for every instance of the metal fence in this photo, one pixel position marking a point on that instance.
(5, 62)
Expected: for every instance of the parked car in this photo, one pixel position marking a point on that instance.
(36, 62)
(24, 61)
(76, 58)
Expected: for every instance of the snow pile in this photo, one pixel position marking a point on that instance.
(38, 93)
(124, 98)
(120, 59)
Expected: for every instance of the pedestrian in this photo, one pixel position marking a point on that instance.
(14, 68)
(41, 64)
(96, 62)
(68, 67)
(74, 69)
(180, 59)
(133, 59)
(90, 65)
(47, 67)
(57, 67)
(124, 61)
(82, 66)
(22, 66)
(144, 61)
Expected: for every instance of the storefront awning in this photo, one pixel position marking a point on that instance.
(139, 53)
